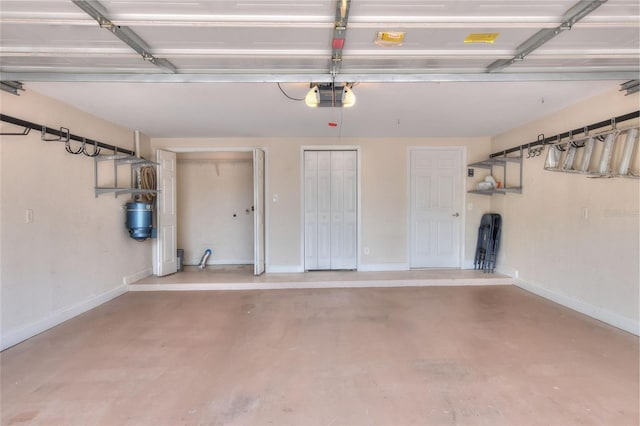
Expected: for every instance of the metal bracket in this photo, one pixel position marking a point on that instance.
(25, 132)
(63, 135)
(94, 9)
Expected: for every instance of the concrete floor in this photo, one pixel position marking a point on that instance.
(493, 355)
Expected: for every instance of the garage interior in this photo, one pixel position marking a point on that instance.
(337, 158)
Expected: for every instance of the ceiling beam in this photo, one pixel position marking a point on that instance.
(318, 78)
(571, 16)
(27, 51)
(125, 34)
(312, 21)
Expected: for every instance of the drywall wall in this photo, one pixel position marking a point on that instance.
(384, 194)
(215, 199)
(75, 253)
(571, 238)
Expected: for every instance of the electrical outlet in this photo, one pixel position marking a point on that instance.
(366, 251)
(585, 213)
(516, 274)
(28, 216)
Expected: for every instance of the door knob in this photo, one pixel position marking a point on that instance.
(456, 214)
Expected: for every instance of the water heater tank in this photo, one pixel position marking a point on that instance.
(139, 220)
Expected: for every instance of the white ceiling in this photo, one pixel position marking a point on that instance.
(56, 49)
(382, 109)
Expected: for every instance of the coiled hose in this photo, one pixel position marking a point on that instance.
(147, 180)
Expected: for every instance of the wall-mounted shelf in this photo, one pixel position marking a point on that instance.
(119, 160)
(503, 191)
(502, 161)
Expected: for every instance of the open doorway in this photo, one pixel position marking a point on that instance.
(210, 199)
(215, 207)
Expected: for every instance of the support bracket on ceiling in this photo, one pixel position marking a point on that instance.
(631, 87)
(127, 35)
(571, 16)
(13, 87)
(339, 31)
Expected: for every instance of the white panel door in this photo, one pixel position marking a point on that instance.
(258, 211)
(435, 205)
(167, 218)
(330, 212)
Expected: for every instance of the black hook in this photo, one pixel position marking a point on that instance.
(95, 152)
(67, 146)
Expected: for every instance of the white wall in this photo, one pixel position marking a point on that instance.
(212, 188)
(384, 196)
(589, 264)
(76, 253)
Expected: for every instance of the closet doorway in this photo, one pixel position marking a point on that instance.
(330, 209)
(217, 204)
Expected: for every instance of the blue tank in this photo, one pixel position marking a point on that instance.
(139, 220)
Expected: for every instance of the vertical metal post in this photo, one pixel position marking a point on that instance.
(95, 175)
(504, 172)
(115, 174)
(521, 158)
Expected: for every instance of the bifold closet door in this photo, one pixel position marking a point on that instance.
(330, 210)
(343, 210)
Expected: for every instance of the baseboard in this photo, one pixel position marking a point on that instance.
(382, 267)
(507, 270)
(283, 269)
(601, 314)
(25, 332)
(137, 276)
(468, 264)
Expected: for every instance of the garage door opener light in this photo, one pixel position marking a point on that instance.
(330, 95)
